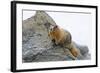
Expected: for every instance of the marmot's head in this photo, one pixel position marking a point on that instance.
(53, 27)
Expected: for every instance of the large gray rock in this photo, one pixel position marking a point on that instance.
(37, 46)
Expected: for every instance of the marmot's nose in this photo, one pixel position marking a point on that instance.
(51, 29)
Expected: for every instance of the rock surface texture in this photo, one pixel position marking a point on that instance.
(37, 46)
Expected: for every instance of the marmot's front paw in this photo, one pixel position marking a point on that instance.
(53, 40)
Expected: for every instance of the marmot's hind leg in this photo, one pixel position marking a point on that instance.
(74, 51)
(68, 52)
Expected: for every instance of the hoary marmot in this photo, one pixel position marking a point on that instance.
(61, 37)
